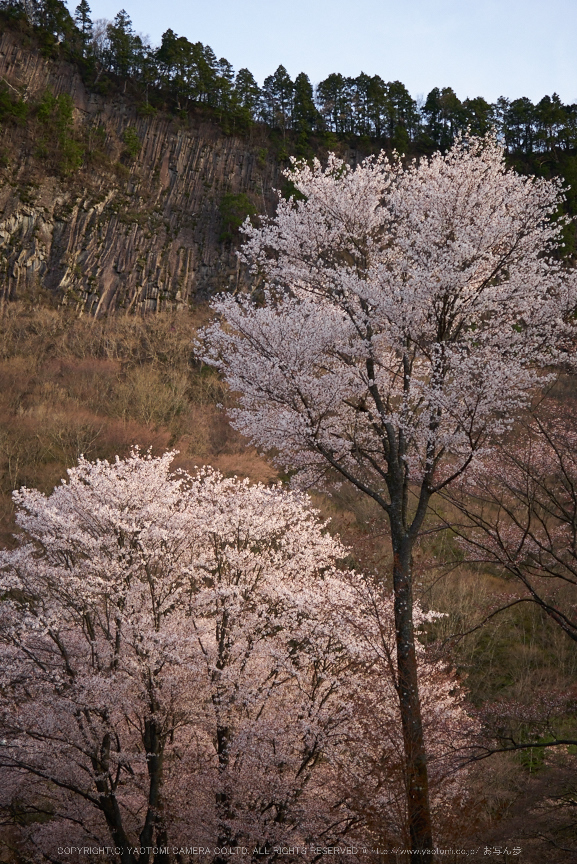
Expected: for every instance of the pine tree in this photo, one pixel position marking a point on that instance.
(122, 44)
(305, 116)
(84, 24)
(54, 20)
(248, 93)
(334, 98)
(278, 94)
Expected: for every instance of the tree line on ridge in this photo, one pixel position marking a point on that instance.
(182, 74)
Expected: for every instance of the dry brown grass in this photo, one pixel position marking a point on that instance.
(71, 386)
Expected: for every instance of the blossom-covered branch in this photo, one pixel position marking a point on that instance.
(408, 314)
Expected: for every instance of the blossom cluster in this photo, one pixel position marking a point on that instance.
(408, 313)
(182, 650)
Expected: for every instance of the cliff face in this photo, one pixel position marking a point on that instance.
(120, 232)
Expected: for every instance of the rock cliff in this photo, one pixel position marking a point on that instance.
(138, 232)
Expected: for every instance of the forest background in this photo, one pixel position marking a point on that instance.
(74, 385)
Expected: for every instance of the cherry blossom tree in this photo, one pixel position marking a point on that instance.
(407, 313)
(183, 665)
(150, 625)
(95, 651)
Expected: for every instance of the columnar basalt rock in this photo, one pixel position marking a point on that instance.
(137, 233)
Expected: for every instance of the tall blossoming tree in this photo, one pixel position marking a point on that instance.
(183, 665)
(406, 316)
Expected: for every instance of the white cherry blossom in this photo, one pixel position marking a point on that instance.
(183, 664)
(406, 316)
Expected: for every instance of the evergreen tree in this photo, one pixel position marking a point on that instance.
(431, 112)
(305, 116)
(519, 129)
(568, 133)
(122, 44)
(84, 24)
(444, 116)
(278, 94)
(550, 118)
(224, 83)
(334, 99)
(54, 22)
(173, 60)
(225, 70)
(360, 91)
(478, 115)
(247, 93)
(377, 105)
(203, 72)
(143, 63)
(167, 53)
(403, 116)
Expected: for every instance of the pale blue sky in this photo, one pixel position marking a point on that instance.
(486, 48)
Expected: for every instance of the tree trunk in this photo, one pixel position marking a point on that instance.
(110, 809)
(418, 808)
(108, 802)
(154, 830)
(223, 802)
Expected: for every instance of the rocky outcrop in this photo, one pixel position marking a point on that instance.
(120, 232)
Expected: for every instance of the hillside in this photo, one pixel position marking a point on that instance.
(110, 204)
(138, 225)
(119, 193)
